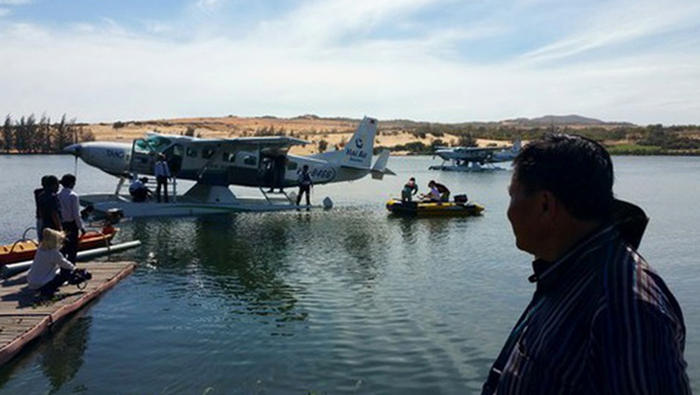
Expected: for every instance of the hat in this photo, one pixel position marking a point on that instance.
(630, 220)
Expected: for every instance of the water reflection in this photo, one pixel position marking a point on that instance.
(63, 356)
(241, 258)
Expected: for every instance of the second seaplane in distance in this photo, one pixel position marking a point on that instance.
(215, 164)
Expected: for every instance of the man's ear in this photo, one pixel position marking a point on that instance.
(549, 205)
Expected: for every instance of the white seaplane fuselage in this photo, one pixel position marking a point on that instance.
(215, 164)
(475, 159)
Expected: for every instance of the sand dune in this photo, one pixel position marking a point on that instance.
(336, 132)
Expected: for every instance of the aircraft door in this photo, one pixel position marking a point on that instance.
(266, 171)
(174, 156)
(142, 158)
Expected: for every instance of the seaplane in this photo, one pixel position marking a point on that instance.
(216, 164)
(475, 159)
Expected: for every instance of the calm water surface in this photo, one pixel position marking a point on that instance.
(347, 301)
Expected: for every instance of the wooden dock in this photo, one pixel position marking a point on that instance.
(24, 317)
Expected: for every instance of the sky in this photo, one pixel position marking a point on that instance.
(426, 60)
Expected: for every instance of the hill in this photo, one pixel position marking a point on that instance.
(335, 131)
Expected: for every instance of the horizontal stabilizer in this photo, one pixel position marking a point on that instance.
(379, 169)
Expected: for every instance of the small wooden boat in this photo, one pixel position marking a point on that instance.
(24, 250)
(434, 209)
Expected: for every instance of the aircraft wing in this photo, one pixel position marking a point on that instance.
(473, 154)
(262, 142)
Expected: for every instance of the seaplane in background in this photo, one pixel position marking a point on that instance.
(215, 164)
(475, 158)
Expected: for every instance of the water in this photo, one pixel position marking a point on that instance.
(349, 301)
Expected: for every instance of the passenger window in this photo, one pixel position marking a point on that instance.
(191, 152)
(207, 152)
(250, 160)
(229, 157)
(292, 166)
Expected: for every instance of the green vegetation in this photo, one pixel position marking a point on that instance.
(621, 139)
(27, 136)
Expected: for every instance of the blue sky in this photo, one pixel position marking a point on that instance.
(430, 60)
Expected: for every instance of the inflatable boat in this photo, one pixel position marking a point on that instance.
(434, 209)
(24, 250)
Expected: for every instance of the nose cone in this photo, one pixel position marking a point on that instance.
(74, 149)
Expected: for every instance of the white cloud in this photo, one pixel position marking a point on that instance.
(621, 24)
(106, 73)
(4, 11)
(322, 22)
(15, 2)
(209, 5)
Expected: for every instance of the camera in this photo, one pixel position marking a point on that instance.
(79, 276)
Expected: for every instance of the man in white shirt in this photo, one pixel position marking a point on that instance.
(70, 216)
(162, 172)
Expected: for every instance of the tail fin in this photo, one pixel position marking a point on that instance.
(517, 146)
(358, 152)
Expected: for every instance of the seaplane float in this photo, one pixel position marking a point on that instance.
(215, 164)
(475, 159)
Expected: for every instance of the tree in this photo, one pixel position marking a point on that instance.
(466, 140)
(43, 135)
(7, 134)
(62, 136)
(322, 145)
(21, 135)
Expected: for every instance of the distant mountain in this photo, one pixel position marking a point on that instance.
(561, 120)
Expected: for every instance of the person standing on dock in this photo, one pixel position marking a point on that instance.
(48, 206)
(305, 185)
(37, 193)
(70, 214)
(162, 172)
(601, 321)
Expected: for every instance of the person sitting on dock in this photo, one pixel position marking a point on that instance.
(409, 190)
(139, 191)
(45, 274)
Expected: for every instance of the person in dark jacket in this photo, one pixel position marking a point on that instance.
(305, 184)
(601, 320)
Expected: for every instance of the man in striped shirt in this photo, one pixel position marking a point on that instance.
(601, 320)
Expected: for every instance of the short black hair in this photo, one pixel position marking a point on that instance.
(48, 181)
(68, 180)
(576, 170)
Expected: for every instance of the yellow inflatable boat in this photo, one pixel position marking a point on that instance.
(434, 209)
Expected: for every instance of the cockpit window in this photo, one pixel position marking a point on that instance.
(142, 146)
(158, 143)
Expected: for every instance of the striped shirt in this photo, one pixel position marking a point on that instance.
(601, 321)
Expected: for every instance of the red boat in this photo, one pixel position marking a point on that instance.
(24, 250)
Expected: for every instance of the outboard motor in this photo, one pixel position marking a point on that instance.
(114, 215)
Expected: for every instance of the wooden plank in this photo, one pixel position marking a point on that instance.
(24, 317)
